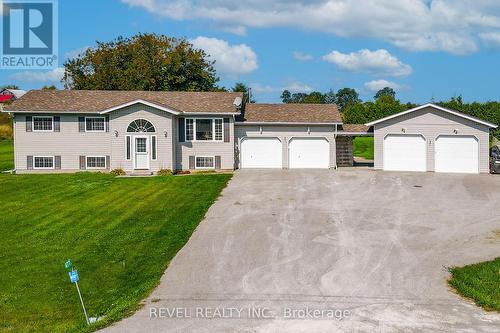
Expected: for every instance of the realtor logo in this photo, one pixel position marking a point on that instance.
(29, 34)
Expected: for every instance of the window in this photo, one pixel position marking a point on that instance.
(141, 126)
(204, 162)
(189, 129)
(96, 162)
(218, 130)
(153, 147)
(94, 124)
(204, 130)
(43, 124)
(43, 162)
(140, 145)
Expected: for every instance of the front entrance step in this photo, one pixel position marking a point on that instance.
(141, 173)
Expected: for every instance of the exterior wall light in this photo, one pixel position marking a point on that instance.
(165, 133)
(116, 133)
(455, 131)
(403, 130)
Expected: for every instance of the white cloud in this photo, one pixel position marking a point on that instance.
(52, 76)
(298, 87)
(491, 38)
(419, 25)
(230, 59)
(74, 53)
(236, 30)
(259, 88)
(376, 62)
(376, 85)
(300, 56)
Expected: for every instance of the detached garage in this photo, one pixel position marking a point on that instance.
(432, 138)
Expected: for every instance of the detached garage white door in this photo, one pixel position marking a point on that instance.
(457, 154)
(261, 153)
(404, 152)
(309, 153)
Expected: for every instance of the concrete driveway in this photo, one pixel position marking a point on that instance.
(325, 251)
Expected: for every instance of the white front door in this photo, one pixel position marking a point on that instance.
(405, 152)
(141, 152)
(309, 153)
(457, 154)
(261, 153)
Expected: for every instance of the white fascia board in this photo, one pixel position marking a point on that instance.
(437, 107)
(139, 101)
(209, 113)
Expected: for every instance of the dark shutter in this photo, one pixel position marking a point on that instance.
(29, 124)
(182, 130)
(57, 124)
(217, 162)
(128, 146)
(153, 147)
(192, 162)
(29, 163)
(227, 137)
(57, 162)
(107, 123)
(82, 163)
(81, 124)
(108, 162)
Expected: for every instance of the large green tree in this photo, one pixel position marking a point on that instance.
(387, 91)
(142, 62)
(346, 97)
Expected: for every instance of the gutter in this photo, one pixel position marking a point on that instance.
(281, 123)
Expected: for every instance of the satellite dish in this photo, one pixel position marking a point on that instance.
(237, 102)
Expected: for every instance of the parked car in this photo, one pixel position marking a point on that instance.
(495, 159)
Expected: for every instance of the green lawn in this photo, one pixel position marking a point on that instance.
(363, 147)
(6, 155)
(479, 282)
(120, 233)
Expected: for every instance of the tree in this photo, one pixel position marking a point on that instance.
(286, 96)
(52, 87)
(9, 86)
(361, 113)
(314, 97)
(142, 62)
(387, 91)
(241, 87)
(346, 97)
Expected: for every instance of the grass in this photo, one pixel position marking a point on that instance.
(6, 155)
(120, 233)
(479, 282)
(363, 147)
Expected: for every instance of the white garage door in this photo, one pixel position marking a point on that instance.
(457, 154)
(404, 152)
(261, 153)
(308, 153)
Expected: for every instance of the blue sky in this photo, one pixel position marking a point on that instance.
(424, 49)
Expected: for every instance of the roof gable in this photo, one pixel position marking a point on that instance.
(436, 107)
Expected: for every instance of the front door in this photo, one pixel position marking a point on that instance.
(141, 152)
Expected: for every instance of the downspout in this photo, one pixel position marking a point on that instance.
(335, 139)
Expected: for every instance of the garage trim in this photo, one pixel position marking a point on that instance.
(308, 137)
(241, 139)
(404, 134)
(460, 136)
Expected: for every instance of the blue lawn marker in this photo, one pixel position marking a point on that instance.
(74, 278)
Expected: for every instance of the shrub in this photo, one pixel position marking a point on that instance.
(118, 172)
(6, 132)
(164, 172)
(183, 172)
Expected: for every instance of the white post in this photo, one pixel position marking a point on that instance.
(83, 306)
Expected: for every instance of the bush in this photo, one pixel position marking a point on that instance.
(183, 172)
(118, 172)
(6, 132)
(164, 172)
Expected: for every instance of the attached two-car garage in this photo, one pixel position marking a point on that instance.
(303, 152)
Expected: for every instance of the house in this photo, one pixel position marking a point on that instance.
(145, 131)
(432, 138)
(8, 95)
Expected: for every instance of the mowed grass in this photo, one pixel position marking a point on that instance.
(479, 282)
(362, 146)
(120, 233)
(6, 155)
